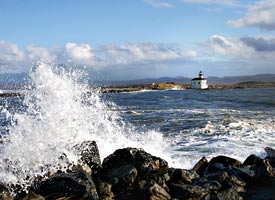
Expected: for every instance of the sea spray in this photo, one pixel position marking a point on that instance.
(60, 112)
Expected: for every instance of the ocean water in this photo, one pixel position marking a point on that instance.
(59, 111)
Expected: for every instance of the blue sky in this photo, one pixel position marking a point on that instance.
(129, 39)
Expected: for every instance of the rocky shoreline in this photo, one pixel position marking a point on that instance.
(133, 174)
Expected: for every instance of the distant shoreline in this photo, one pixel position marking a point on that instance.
(165, 86)
(173, 86)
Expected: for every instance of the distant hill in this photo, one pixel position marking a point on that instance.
(17, 80)
(185, 80)
(239, 79)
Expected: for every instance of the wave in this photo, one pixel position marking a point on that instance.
(60, 112)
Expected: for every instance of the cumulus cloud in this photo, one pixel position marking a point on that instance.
(80, 53)
(9, 52)
(39, 53)
(261, 43)
(216, 2)
(157, 3)
(140, 52)
(261, 15)
(248, 49)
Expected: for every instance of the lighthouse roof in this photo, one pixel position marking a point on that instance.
(198, 78)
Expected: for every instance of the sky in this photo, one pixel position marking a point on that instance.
(133, 39)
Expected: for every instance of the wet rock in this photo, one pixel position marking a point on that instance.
(252, 160)
(89, 154)
(104, 190)
(234, 193)
(200, 166)
(4, 196)
(265, 174)
(182, 175)
(74, 184)
(218, 176)
(147, 163)
(221, 163)
(126, 166)
(209, 185)
(33, 196)
(187, 191)
(147, 189)
(242, 173)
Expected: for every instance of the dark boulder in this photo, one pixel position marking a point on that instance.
(200, 166)
(76, 185)
(265, 174)
(187, 191)
(127, 166)
(234, 193)
(148, 189)
(252, 160)
(182, 175)
(221, 163)
(33, 196)
(89, 154)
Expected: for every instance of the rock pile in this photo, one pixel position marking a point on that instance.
(133, 174)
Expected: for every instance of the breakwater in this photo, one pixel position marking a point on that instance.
(132, 173)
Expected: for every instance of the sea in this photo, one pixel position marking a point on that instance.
(59, 110)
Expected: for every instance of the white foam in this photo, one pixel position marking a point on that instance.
(59, 115)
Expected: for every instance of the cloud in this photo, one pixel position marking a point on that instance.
(80, 53)
(39, 53)
(216, 55)
(141, 53)
(157, 3)
(261, 15)
(9, 52)
(251, 50)
(216, 2)
(260, 44)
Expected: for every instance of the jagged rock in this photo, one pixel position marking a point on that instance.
(75, 184)
(209, 185)
(187, 191)
(148, 189)
(89, 154)
(4, 196)
(33, 196)
(221, 163)
(265, 174)
(182, 175)
(125, 166)
(200, 166)
(104, 190)
(270, 152)
(235, 193)
(252, 160)
(242, 173)
(218, 176)
(148, 164)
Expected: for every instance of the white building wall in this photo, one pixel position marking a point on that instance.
(199, 84)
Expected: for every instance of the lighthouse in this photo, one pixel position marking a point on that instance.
(199, 82)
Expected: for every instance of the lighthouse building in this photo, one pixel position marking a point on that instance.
(199, 82)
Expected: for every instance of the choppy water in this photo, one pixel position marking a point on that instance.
(196, 123)
(180, 126)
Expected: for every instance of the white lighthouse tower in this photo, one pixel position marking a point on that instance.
(199, 82)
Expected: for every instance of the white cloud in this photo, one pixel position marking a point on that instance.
(140, 52)
(80, 53)
(9, 53)
(217, 2)
(261, 14)
(157, 3)
(39, 53)
(248, 49)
